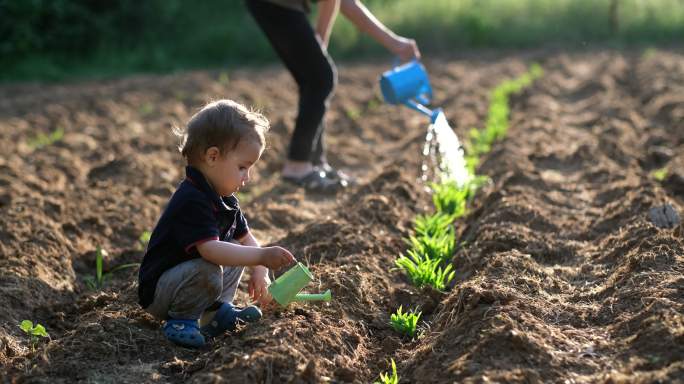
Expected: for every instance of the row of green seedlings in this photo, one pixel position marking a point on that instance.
(428, 260)
(35, 331)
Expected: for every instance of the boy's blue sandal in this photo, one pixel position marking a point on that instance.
(227, 318)
(184, 332)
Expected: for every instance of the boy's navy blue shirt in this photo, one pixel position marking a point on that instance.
(195, 214)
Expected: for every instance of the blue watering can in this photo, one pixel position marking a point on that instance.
(408, 84)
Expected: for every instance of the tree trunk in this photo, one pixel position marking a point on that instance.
(613, 13)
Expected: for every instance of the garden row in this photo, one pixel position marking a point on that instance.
(427, 261)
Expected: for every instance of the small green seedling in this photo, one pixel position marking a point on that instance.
(43, 140)
(373, 103)
(352, 113)
(660, 174)
(34, 332)
(386, 378)
(146, 109)
(145, 239)
(97, 282)
(648, 53)
(405, 322)
(423, 271)
(224, 79)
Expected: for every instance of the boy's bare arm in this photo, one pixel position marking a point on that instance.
(249, 240)
(225, 253)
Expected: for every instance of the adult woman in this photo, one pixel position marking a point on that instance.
(303, 50)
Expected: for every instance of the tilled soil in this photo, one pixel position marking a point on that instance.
(562, 275)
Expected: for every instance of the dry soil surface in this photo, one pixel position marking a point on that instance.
(562, 275)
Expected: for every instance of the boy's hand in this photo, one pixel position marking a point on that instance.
(276, 257)
(258, 286)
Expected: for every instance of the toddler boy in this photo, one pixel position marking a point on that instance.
(201, 243)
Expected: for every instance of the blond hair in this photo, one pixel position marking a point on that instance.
(222, 124)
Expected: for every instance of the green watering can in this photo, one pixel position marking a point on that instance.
(285, 289)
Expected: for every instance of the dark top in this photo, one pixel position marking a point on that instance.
(194, 214)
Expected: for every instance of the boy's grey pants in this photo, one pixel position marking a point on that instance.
(186, 290)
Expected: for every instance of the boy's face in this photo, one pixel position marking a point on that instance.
(229, 172)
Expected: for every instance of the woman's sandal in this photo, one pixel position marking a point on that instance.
(184, 332)
(316, 180)
(335, 174)
(227, 318)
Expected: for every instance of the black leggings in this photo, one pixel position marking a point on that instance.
(294, 40)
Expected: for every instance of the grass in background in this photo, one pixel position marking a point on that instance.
(64, 39)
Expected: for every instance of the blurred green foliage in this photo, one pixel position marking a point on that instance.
(58, 39)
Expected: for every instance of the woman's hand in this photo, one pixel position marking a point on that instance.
(258, 286)
(405, 49)
(365, 21)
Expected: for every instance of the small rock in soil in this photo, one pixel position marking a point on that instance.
(664, 216)
(660, 154)
(390, 344)
(345, 374)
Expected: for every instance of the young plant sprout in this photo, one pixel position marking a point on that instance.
(436, 247)
(423, 271)
(34, 332)
(660, 174)
(145, 239)
(450, 199)
(433, 225)
(43, 140)
(405, 322)
(97, 282)
(386, 378)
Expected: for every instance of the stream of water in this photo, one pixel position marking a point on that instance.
(443, 154)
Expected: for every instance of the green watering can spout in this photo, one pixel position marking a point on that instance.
(285, 289)
(325, 296)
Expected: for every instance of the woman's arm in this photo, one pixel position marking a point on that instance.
(366, 22)
(327, 12)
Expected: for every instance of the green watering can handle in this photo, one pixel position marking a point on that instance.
(325, 296)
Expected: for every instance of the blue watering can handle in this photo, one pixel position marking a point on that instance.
(396, 62)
